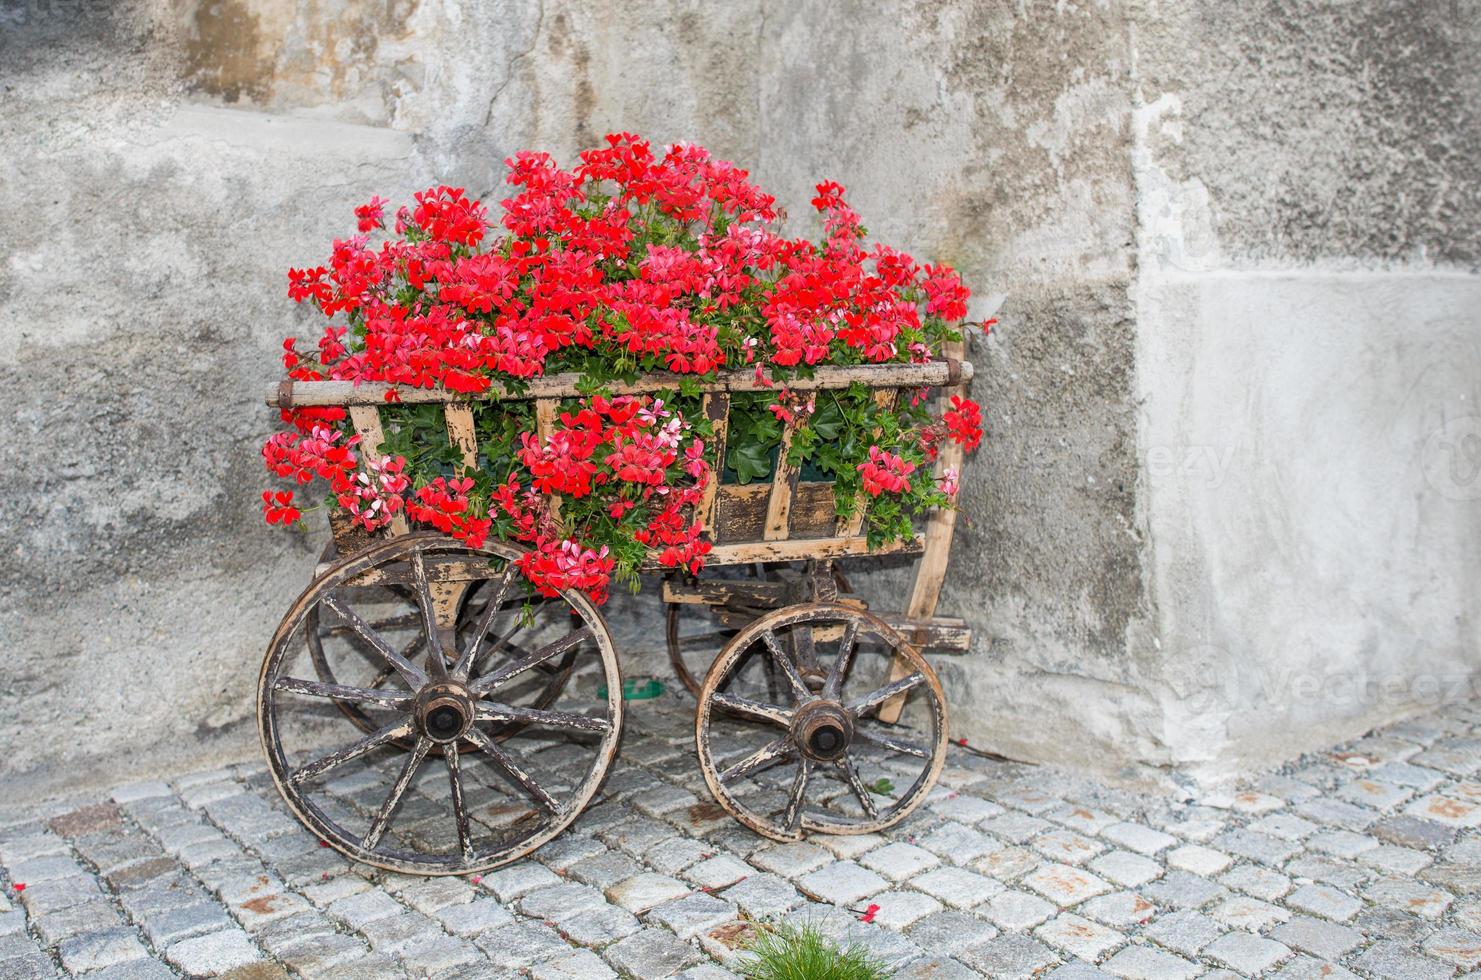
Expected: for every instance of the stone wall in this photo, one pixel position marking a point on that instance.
(1308, 366)
(1162, 219)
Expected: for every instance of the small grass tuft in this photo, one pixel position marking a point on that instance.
(787, 952)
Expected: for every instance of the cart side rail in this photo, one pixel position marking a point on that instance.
(781, 520)
(296, 394)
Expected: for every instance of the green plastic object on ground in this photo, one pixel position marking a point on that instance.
(636, 689)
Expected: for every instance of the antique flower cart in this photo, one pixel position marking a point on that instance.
(814, 713)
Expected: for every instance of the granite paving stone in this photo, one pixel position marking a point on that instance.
(1009, 955)
(652, 952)
(1135, 837)
(1246, 952)
(1361, 861)
(842, 883)
(213, 954)
(897, 909)
(762, 895)
(97, 950)
(1122, 910)
(950, 931)
(1454, 945)
(1147, 963)
(1396, 961)
(1186, 932)
(957, 887)
(1126, 868)
(1078, 936)
(1323, 939)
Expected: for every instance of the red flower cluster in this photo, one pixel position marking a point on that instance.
(964, 422)
(629, 262)
(444, 504)
(885, 471)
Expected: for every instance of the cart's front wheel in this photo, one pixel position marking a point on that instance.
(818, 758)
(433, 789)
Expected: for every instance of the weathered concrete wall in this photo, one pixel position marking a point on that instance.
(1308, 366)
(165, 162)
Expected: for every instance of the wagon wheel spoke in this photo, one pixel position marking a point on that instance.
(492, 682)
(900, 745)
(409, 672)
(382, 819)
(481, 660)
(763, 758)
(372, 793)
(830, 731)
(839, 669)
(341, 692)
(515, 771)
(540, 716)
(460, 805)
(792, 816)
(804, 650)
(890, 690)
(787, 667)
(436, 659)
(491, 611)
(393, 731)
(759, 710)
(860, 790)
(390, 623)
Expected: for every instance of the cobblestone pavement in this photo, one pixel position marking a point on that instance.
(1365, 860)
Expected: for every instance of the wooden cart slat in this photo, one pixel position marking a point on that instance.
(779, 497)
(367, 422)
(460, 433)
(716, 408)
(290, 394)
(940, 526)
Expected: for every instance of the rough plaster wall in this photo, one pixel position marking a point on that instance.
(1309, 349)
(166, 161)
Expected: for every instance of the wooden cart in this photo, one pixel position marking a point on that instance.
(814, 713)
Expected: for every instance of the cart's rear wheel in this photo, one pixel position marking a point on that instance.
(818, 758)
(696, 632)
(431, 789)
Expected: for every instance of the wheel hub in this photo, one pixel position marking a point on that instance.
(444, 711)
(823, 730)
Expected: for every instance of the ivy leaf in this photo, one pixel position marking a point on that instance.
(828, 422)
(750, 460)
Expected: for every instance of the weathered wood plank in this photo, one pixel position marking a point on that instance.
(460, 433)
(546, 410)
(741, 510)
(367, 422)
(931, 572)
(778, 525)
(799, 550)
(439, 569)
(290, 394)
(936, 634)
(720, 591)
(716, 408)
